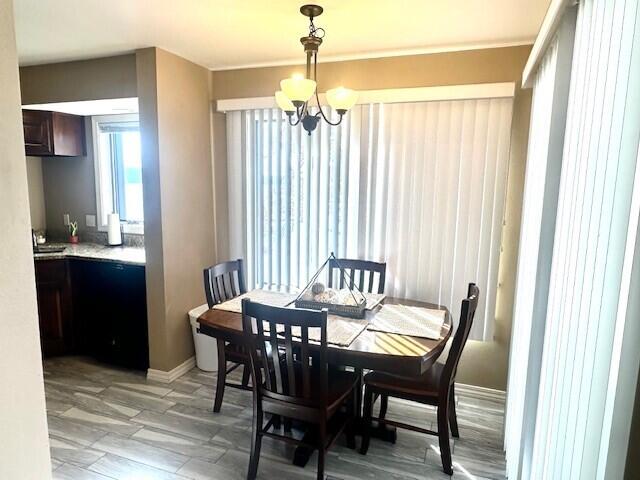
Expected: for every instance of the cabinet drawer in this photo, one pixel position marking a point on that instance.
(51, 271)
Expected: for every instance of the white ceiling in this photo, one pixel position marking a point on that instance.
(223, 34)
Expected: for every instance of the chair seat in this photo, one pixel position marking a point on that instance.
(341, 384)
(236, 353)
(425, 386)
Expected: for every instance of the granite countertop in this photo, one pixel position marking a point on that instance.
(94, 251)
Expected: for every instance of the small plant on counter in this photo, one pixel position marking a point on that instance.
(73, 232)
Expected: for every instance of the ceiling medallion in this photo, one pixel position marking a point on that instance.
(297, 91)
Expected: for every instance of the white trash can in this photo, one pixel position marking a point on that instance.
(206, 346)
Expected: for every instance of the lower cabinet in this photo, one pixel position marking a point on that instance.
(93, 308)
(55, 309)
(111, 312)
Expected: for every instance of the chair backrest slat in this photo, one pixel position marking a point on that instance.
(286, 360)
(275, 358)
(304, 354)
(288, 345)
(232, 284)
(264, 353)
(224, 281)
(351, 267)
(467, 313)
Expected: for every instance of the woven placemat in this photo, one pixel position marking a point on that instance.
(411, 321)
(266, 297)
(340, 331)
(373, 299)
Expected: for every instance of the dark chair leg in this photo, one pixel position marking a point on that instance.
(277, 422)
(350, 428)
(287, 424)
(358, 372)
(222, 377)
(245, 375)
(256, 441)
(322, 442)
(453, 417)
(443, 435)
(384, 404)
(366, 420)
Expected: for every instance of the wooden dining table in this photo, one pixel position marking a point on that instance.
(372, 350)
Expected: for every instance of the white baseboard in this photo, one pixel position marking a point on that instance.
(171, 375)
(481, 393)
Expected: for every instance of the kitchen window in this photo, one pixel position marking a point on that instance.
(118, 170)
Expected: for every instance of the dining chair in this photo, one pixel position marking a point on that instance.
(435, 387)
(223, 282)
(358, 268)
(290, 378)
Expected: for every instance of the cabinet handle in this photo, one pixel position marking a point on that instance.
(119, 266)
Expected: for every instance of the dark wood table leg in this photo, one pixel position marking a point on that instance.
(302, 454)
(382, 432)
(385, 433)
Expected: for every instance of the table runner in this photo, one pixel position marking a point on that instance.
(340, 331)
(266, 297)
(373, 299)
(406, 320)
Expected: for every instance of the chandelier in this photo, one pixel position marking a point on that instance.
(297, 92)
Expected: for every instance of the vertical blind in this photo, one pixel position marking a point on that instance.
(523, 313)
(418, 185)
(540, 202)
(595, 240)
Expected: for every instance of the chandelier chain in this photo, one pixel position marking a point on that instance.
(316, 32)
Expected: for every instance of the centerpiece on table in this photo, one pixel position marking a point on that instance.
(347, 302)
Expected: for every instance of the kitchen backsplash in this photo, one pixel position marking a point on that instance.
(128, 239)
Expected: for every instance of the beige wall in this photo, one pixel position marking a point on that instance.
(483, 363)
(175, 122)
(451, 68)
(36, 193)
(109, 77)
(24, 442)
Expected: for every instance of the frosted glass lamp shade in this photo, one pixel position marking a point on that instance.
(298, 89)
(341, 99)
(284, 103)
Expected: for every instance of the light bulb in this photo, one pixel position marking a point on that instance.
(298, 89)
(341, 99)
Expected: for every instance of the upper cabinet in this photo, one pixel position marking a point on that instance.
(48, 134)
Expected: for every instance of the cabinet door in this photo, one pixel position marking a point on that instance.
(54, 307)
(38, 132)
(115, 313)
(130, 342)
(68, 135)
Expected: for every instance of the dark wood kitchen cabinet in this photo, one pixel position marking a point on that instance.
(53, 134)
(93, 308)
(111, 312)
(55, 309)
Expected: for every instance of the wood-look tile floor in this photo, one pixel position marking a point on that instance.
(107, 423)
